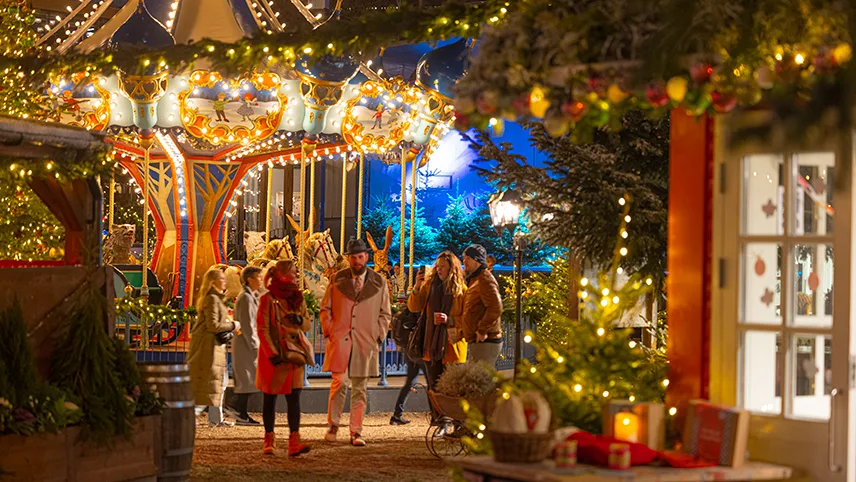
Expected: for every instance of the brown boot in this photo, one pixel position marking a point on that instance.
(270, 443)
(296, 448)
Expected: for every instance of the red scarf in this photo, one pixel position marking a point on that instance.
(284, 289)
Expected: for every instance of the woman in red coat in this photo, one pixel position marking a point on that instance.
(282, 317)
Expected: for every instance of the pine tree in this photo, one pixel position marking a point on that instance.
(570, 200)
(386, 213)
(18, 39)
(28, 230)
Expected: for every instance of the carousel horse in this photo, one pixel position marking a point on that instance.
(254, 244)
(276, 250)
(381, 257)
(319, 258)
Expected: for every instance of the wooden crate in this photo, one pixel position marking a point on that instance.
(63, 458)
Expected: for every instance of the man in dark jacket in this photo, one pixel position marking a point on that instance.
(482, 307)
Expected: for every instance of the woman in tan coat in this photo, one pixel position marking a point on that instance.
(441, 297)
(207, 357)
(282, 320)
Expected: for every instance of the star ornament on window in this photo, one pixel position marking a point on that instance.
(767, 297)
(769, 208)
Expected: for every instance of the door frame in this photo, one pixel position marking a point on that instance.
(725, 339)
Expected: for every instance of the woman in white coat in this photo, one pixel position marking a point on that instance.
(245, 347)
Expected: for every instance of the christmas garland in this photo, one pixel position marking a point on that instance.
(162, 313)
(68, 165)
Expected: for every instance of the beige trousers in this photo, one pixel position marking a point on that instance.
(338, 392)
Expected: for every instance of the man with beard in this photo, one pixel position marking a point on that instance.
(355, 316)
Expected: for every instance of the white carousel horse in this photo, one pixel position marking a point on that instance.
(320, 259)
(276, 250)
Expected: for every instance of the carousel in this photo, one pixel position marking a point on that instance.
(191, 140)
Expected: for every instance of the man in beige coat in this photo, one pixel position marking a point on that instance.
(355, 316)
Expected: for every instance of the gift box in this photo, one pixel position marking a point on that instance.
(716, 433)
(643, 423)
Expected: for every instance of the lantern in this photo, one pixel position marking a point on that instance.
(643, 423)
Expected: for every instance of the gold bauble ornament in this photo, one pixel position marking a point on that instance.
(538, 103)
(842, 53)
(676, 89)
(615, 94)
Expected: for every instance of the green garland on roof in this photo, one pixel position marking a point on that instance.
(68, 165)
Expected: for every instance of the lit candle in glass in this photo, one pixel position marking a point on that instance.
(626, 427)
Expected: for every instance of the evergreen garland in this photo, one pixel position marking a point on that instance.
(19, 371)
(28, 230)
(84, 364)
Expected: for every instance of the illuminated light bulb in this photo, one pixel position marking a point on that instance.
(482, 427)
(506, 395)
(632, 398)
(666, 382)
(799, 59)
(648, 281)
(578, 388)
(623, 251)
(480, 436)
(615, 299)
(527, 339)
(584, 281)
(600, 331)
(583, 294)
(619, 270)
(673, 411)
(532, 370)
(560, 359)
(624, 234)
(606, 394)
(605, 292)
(627, 218)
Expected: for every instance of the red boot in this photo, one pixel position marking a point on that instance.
(270, 443)
(296, 448)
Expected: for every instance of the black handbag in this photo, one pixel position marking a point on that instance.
(416, 342)
(223, 337)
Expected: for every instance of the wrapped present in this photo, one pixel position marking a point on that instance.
(716, 433)
(619, 456)
(643, 423)
(566, 454)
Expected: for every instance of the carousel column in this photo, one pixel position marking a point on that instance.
(344, 203)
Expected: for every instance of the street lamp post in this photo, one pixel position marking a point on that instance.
(505, 209)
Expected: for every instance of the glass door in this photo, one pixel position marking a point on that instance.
(776, 230)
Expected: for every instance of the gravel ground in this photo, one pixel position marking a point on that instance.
(393, 453)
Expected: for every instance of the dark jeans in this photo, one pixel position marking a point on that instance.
(241, 402)
(412, 373)
(432, 371)
(269, 411)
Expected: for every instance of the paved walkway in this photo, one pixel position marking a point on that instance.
(393, 453)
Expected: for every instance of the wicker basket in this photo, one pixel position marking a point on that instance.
(521, 448)
(451, 406)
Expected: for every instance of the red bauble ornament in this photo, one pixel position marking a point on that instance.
(723, 102)
(701, 73)
(760, 266)
(813, 281)
(598, 84)
(486, 103)
(521, 105)
(656, 95)
(574, 110)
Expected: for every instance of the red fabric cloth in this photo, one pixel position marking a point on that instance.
(594, 450)
(684, 461)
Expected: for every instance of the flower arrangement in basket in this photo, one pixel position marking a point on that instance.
(466, 383)
(521, 428)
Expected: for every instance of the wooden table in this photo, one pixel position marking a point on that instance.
(485, 469)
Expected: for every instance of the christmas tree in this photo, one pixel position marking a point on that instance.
(18, 39)
(386, 213)
(28, 230)
(570, 200)
(462, 226)
(583, 364)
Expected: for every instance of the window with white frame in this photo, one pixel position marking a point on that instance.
(785, 303)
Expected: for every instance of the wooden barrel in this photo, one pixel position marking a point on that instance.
(172, 383)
